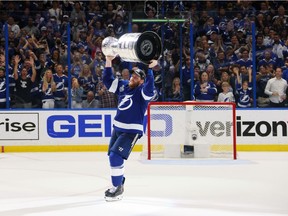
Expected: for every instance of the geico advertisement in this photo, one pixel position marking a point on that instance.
(79, 127)
(95, 127)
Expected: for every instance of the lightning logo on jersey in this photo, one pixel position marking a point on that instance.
(126, 102)
(2, 90)
(2, 86)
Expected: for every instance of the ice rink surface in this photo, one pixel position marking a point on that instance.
(73, 184)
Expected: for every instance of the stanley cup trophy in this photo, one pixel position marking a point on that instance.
(134, 47)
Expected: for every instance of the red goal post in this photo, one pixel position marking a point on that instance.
(191, 129)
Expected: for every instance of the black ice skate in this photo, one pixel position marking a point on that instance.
(115, 194)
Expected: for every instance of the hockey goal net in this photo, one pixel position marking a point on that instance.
(190, 130)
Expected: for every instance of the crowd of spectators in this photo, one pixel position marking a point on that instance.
(221, 60)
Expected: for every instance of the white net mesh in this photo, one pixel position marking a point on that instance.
(189, 129)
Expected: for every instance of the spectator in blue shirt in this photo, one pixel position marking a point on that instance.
(205, 90)
(267, 60)
(244, 60)
(244, 89)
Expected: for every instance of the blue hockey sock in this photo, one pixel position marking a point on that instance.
(117, 168)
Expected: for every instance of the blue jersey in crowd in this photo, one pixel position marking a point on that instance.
(61, 84)
(244, 96)
(132, 103)
(48, 94)
(2, 90)
(205, 96)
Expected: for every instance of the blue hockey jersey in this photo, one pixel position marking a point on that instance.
(205, 96)
(244, 96)
(61, 84)
(2, 89)
(132, 103)
(48, 94)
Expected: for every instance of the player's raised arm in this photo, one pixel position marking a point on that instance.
(108, 77)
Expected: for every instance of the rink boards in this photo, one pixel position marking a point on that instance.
(90, 130)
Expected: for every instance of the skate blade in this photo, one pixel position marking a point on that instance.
(113, 199)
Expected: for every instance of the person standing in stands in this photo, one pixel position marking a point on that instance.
(61, 80)
(134, 95)
(47, 87)
(24, 83)
(2, 88)
(276, 89)
(205, 90)
(226, 95)
(244, 89)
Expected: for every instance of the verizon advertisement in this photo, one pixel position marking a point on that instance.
(94, 127)
(262, 127)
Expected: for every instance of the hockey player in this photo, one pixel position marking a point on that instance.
(133, 97)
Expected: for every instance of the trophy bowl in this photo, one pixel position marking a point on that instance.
(134, 47)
